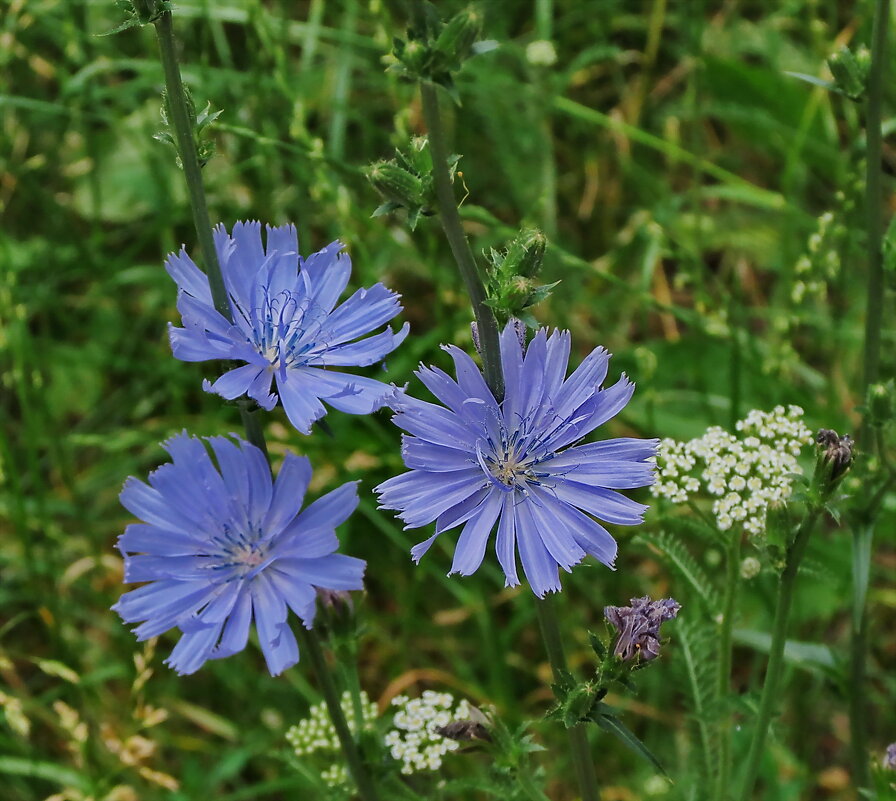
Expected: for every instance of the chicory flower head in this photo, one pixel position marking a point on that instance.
(517, 463)
(221, 546)
(639, 626)
(286, 324)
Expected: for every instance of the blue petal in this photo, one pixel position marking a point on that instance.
(583, 383)
(469, 378)
(333, 572)
(301, 405)
(278, 643)
(145, 538)
(328, 511)
(423, 497)
(445, 388)
(188, 276)
(289, 492)
(505, 545)
(236, 629)
(160, 598)
(418, 454)
(192, 345)
(325, 275)
(622, 448)
(193, 649)
(366, 310)
(603, 473)
(470, 549)
(362, 353)
(297, 592)
(604, 504)
(538, 564)
(512, 366)
(432, 423)
(149, 505)
(463, 511)
(349, 393)
(557, 538)
(236, 382)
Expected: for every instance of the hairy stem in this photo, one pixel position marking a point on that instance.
(776, 652)
(578, 735)
(723, 677)
(186, 146)
(311, 646)
(457, 240)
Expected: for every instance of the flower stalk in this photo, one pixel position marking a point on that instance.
(723, 685)
(578, 735)
(486, 324)
(783, 605)
(186, 146)
(863, 532)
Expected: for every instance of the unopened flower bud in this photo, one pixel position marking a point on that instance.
(850, 74)
(836, 451)
(456, 40)
(525, 254)
(395, 184)
(881, 403)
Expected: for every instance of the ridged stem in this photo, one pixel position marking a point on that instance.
(776, 652)
(578, 735)
(183, 131)
(486, 324)
(863, 532)
(723, 677)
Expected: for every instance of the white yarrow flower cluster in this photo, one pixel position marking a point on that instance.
(414, 740)
(747, 473)
(316, 733)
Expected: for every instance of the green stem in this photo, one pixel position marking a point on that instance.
(186, 146)
(874, 195)
(457, 240)
(578, 735)
(723, 677)
(776, 652)
(311, 645)
(874, 205)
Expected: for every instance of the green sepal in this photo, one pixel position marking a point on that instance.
(597, 645)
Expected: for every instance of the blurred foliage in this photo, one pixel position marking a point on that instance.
(678, 173)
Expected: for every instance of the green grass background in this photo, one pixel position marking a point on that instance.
(678, 172)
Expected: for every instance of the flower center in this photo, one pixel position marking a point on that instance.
(506, 470)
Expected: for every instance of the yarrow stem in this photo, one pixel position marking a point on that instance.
(451, 223)
(186, 146)
(578, 735)
(776, 652)
(732, 581)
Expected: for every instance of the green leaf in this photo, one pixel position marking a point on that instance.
(48, 771)
(861, 570)
(829, 85)
(810, 656)
(608, 721)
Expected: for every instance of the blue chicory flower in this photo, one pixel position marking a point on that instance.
(518, 463)
(286, 325)
(221, 547)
